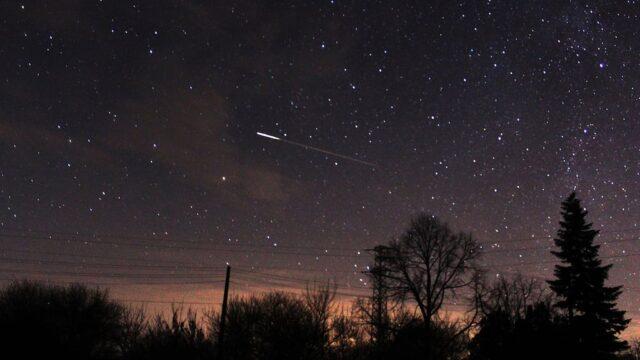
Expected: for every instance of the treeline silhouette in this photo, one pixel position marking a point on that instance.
(415, 279)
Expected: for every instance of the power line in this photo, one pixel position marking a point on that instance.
(190, 265)
(110, 275)
(199, 248)
(101, 257)
(325, 252)
(186, 266)
(302, 290)
(251, 273)
(177, 240)
(181, 240)
(619, 256)
(168, 263)
(244, 272)
(112, 284)
(183, 266)
(547, 247)
(270, 277)
(146, 301)
(283, 285)
(108, 265)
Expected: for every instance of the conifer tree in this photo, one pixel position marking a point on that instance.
(592, 317)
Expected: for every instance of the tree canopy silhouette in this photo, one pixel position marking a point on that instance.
(275, 325)
(429, 263)
(590, 306)
(71, 322)
(517, 322)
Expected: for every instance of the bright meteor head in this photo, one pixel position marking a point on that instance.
(268, 136)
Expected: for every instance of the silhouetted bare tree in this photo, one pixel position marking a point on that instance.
(429, 264)
(512, 295)
(135, 326)
(634, 350)
(347, 337)
(516, 321)
(319, 301)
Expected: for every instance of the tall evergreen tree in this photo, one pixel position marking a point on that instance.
(590, 307)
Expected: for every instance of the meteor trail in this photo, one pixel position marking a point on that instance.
(309, 147)
(268, 136)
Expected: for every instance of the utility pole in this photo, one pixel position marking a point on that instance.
(223, 315)
(379, 301)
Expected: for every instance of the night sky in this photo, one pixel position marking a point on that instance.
(129, 156)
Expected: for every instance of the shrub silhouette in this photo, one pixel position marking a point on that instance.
(518, 321)
(538, 334)
(415, 339)
(347, 337)
(181, 337)
(273, 326)
(71, 322)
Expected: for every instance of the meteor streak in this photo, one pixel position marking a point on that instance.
(268, 136)
(309, 147)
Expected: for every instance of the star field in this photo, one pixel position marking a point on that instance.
(128, 137)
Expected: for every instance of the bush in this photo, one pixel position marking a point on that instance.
(272, 326)
(180, 338)
(74, 322)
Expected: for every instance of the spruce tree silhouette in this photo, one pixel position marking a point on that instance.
(592, 318)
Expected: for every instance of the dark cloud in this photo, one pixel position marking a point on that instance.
(188, 134)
